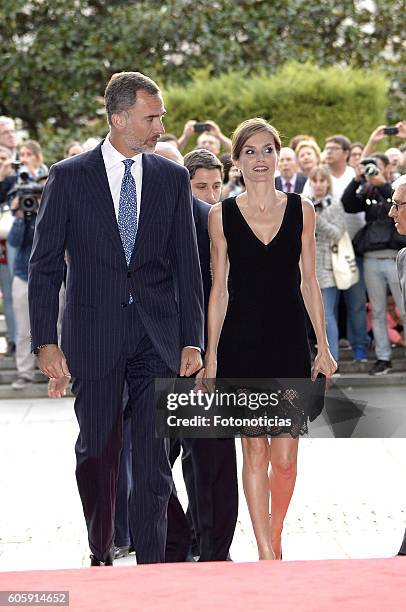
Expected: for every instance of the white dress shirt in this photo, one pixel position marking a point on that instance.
(292, 182)
(113, 160)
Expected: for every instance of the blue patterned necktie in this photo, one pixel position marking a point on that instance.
(127, 212)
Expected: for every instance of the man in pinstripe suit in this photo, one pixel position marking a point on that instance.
(130, 315)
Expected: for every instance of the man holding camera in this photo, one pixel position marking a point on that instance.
(210, 136)
(379, 243)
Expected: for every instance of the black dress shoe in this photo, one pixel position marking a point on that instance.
(121, 551)
(95, 562)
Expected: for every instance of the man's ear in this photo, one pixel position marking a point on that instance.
(119, 120)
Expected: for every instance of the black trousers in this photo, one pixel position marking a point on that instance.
(98, 408)
(210, 473)
(402, 550)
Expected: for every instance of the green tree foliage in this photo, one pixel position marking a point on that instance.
(57, 56)
(297, 99)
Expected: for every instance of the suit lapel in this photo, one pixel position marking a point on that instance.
(96, 172)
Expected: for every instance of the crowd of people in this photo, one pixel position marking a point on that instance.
(151, 288)
(349, 194)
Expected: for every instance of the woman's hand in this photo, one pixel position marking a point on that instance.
(324, 363)
(206, 377)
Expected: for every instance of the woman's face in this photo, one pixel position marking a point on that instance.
(28, 158)
(258, 158)
(319, 186)
(307, 159)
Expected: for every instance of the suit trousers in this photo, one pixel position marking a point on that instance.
(216, 490)
(210, 475)
(99, 412)
(402, 550)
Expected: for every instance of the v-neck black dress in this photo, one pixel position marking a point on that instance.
(264, 331)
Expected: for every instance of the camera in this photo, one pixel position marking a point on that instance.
(391, 130)
(27, 190)
(369, 167)
(201, 127)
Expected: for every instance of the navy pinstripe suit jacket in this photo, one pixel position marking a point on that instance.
(77, 216)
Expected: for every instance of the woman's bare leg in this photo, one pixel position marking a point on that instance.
(256, 488)
(283, 455)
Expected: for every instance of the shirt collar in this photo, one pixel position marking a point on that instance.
(291, 180)
(112, 157)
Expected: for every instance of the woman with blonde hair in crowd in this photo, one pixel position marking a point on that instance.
(31, 157)
(308, 155)
(330, 226)
(263, 239)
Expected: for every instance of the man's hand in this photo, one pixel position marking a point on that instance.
(190, 361)
(189, 128)
(401, 125)
(52, 362)
(57, 387)
(214, 129)
(15, 209)
(377, 134)
(376, 181)
(188, 131)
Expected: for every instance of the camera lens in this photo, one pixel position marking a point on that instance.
(28, 204)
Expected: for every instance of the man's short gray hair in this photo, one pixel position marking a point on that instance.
(121, 91)
(400, 181)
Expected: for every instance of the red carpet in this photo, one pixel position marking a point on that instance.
(344, 585)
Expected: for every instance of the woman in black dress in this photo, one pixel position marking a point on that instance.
(265, 241)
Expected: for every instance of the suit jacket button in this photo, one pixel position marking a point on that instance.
(124, 304)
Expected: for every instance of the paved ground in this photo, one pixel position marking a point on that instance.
(349, 502)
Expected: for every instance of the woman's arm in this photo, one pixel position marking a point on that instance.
(311, 293)
(218, 299)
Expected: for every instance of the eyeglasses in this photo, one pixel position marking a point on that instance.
(398, 204)
(328, 149)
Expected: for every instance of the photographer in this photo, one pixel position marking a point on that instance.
(210, 136)
(24, 205)
(378, 241)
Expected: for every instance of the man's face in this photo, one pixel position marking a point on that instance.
(395, 157)
(141, 126)
(206, 185)
(209, 142)
(355, 157)
(8, 135)
(335, 154)
(399, 216)
(287, 163)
